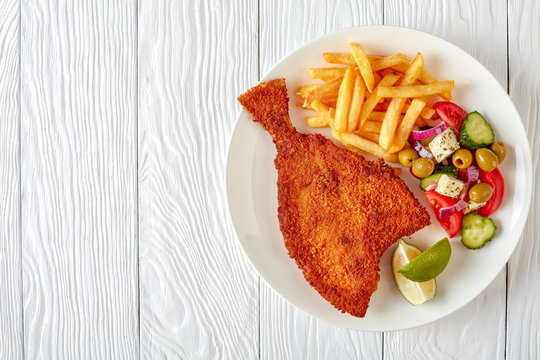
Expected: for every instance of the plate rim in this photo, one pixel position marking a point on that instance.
(528, 181)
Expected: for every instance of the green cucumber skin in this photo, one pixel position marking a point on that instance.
(433, 178)
(473, 142)
(476, 231)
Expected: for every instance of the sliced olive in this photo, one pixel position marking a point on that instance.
(423, 167)
(480, 192)
(462, 158)
(407, 157)
(486, 159)
(499, 149)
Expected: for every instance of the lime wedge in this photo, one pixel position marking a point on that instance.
(428, 264)
(414, 292)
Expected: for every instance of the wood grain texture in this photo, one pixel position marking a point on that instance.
(11, 344)
(79, 238)
(287, 332)
(523, 335)
(478, 329)
(198, 293)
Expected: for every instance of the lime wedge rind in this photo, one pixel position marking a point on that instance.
(414, 292)
(428, 264)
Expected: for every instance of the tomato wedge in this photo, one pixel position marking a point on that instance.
(451, 114)
(495, 179)
(451, 224)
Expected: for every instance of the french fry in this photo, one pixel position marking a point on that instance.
(392, 116)
(322, 91)
(376, 116)
(372, 126)
(376, 79)
(397, 171)
(416, 90)
(336, 58)
(345, 59)
(344, 100)
(425, 78)
(370, 136)
(389, 61)
(326, 73)
(405, 127)
(356, 103)
(317, 122)
(324, 111)
(368, 146)
(363, 65)
(372, 101)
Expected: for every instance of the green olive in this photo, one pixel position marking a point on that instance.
(407, 157)
(423, 167)
(480, 192)
(499, 149)
(462, 158)
(486, 159)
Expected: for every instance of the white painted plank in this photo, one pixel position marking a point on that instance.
(10, 236)
(286, 332)
(78, 123)
(198, 293)
(477, 330)
(523, 328)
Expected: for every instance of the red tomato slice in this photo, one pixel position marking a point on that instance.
(451, 114)
(495, 179)
(451, 224)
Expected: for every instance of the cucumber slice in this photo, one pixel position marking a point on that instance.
(475, 132)
(437, 173)
(446, 169)
(476, 230)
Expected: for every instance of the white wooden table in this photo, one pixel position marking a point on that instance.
(115, 240)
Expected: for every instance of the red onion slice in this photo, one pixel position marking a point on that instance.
(421, 135)
(422, 151)
(451, 210)
(431, 186)
(472, 174)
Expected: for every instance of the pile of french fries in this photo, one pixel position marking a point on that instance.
(373, 102)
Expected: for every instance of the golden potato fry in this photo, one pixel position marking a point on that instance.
(336, 58)
(322, 91)
(425, 78)
(317, 122)
(326, 73)
(427, 112)
(389, 61)
(354, 149)
(415, 90)
(376, 116)
(397, 171)
(412, 72)
(363, 65)
(370, 136)
(345, 59)
(344, 100)
(393, 113)
(356, 103)
(405, 127)
(368, 146)
(372, 101)
(372, 126)
(324, 111)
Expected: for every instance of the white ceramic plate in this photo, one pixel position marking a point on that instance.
(252, 191)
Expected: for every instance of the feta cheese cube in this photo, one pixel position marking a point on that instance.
(472, 206)
(449, 186)
(444, 144)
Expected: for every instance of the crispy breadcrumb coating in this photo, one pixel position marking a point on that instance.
(338, 212)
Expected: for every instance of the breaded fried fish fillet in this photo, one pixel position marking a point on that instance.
(337, 212)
